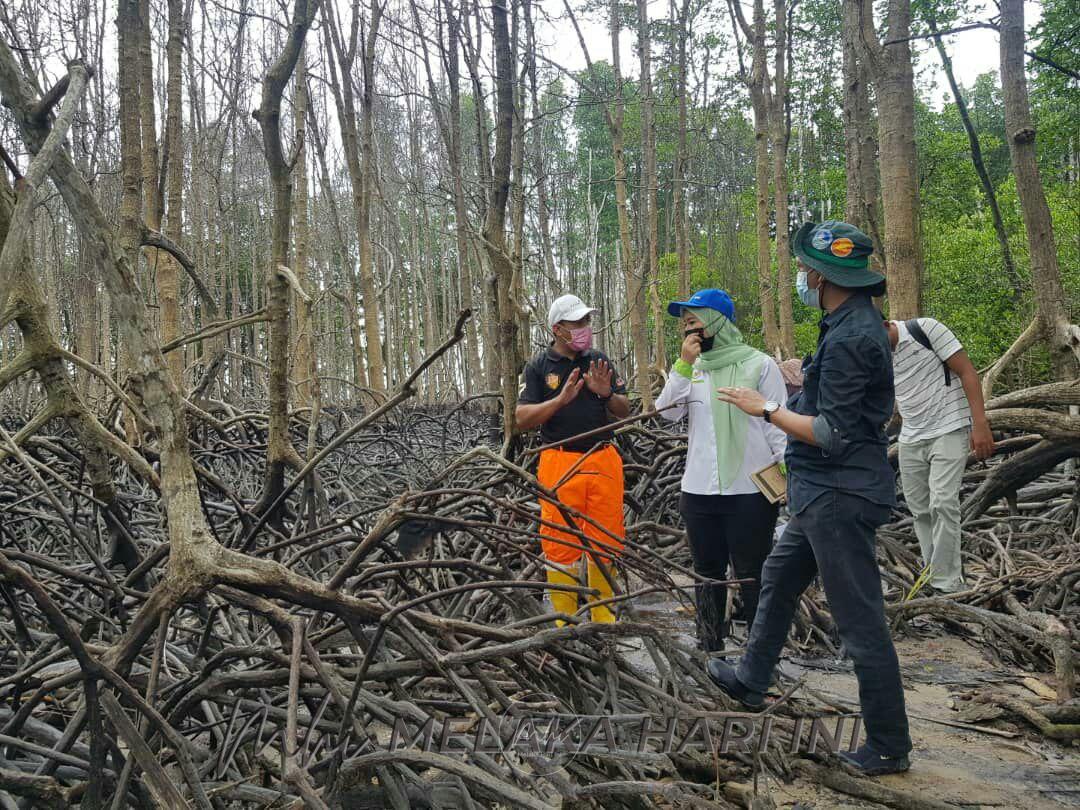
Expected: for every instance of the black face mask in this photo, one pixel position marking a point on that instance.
(706, 342)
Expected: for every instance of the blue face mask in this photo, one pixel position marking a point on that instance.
(806, 295)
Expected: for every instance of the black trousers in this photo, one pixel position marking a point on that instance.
(834, 536)
(722, 529)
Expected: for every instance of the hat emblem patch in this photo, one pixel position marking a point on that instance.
(552, 381)
(842, 247)
(821, 239)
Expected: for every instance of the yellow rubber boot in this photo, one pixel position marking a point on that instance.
(597, 580)
(562, 601)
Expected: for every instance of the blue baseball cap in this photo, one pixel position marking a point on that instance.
(705, 299)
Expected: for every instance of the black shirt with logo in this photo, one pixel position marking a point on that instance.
(545, 376)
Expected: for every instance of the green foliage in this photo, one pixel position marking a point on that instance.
(965, 284)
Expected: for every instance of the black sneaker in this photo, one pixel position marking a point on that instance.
(723, 675)
(870, 763)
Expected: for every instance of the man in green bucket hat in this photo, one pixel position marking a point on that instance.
(840, 489)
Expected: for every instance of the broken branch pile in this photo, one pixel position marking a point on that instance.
(430, 625)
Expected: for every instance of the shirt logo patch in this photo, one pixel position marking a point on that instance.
(842, 247)
(822, 239)
(552, 381)
(698, 376)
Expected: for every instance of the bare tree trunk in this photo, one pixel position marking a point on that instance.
(346, 114)
(473, 48)
(376, 373)
(131, 224)
(757, 82)
(636, 300)
(164, 269)
(340, 252)
(893, 77)
(168, 269)
(517, 195)
(303, 362)
(127, 23)
(678, 179)
(650, 270)
(1062, 336)
(539, 166)
(495, 224)
(461, 234)
(781, 135)
(860, 140)
(279, 445)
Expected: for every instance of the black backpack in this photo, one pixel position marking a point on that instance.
(917, 332)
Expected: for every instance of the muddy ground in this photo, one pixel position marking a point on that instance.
(1013, 768)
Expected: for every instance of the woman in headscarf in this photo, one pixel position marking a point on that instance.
(727, 518)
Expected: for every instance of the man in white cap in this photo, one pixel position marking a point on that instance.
(572, 389)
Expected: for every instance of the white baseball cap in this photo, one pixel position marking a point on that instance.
(568, 308)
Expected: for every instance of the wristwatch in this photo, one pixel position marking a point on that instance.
(770, 408)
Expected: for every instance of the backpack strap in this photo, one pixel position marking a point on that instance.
(916, 331)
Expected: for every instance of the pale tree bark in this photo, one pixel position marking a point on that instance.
(472, 41)
(495, 223)
(280, 452)
(347, 118)
(165, 270)
(454, 152)
(890, 67)
(449, 126)
(543, 213)
(860, 140)
(650, 269)
(517, 187)
(636, 300)
(780, 137)
(148, 125)
(376, 371)
(1062, 336)
(757, 83)
(168, 271)
(128, 35)
(131, 224)
(303, 361)
(678, 179)
(352, 318)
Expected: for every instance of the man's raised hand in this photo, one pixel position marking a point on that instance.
(571, 388)
(598, 378)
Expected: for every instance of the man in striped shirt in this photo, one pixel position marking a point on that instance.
(941, 404)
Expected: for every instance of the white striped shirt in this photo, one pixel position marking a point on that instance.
(928, 407)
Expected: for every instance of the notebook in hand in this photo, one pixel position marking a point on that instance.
(772, 482)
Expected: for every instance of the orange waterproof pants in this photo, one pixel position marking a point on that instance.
(593, 488)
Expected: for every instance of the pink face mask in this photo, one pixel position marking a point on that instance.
(581, 338)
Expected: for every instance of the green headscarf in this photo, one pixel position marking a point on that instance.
(730, 364)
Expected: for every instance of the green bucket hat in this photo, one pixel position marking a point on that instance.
(837, 250)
